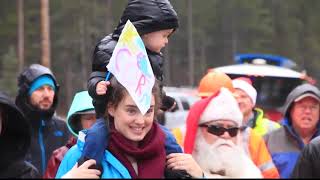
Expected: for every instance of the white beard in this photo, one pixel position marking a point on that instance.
(224, 158)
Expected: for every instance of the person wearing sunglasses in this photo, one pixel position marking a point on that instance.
(252, 143)
(214, 140)
(219, 130)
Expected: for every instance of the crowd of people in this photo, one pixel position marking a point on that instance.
(105, 135)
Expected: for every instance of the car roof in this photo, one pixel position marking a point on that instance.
(259, 70)
(279, 60)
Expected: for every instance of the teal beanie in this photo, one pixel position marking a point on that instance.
(41, 81)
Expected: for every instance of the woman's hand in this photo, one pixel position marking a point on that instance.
(182, 161)
(83, 171)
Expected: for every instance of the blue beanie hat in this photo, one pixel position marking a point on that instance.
(41, 81)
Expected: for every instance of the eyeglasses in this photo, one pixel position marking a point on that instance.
(218, 130)
(313, 108)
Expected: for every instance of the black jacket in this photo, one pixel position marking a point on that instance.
(48, 132)
(146, 16)
(14, 142)
(308, 163)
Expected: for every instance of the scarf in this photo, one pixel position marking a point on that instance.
(150, 153)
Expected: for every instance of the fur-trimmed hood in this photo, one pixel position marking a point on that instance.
(15, 134)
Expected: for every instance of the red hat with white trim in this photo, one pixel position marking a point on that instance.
(220, 106)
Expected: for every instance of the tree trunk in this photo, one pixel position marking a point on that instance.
(45, 33)
(20, 34)
(83, 52)
(67, 81)
(109, 22)
(234, 35)
(190, 45)
(203, 63)
(82, 30)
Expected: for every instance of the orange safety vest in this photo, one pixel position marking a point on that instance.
(179, 135)
(256, 148)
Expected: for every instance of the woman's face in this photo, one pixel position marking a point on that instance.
(129, 121)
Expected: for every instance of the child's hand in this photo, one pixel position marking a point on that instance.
(102, 87)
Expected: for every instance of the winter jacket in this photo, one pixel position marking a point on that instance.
(256, 149)
(146, 16)
(20, 169)
(260, 124)
(56, 158)
(112, 167)
(308, 163)
(48, 132)
(14, 142)
(285, 144)
(81, 102)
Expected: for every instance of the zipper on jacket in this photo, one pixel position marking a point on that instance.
(42, 148)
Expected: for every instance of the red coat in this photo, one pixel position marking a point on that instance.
(56, 158)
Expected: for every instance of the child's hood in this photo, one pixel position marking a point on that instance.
(82, 101)
(148, 16)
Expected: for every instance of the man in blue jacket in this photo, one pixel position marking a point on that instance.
(38, 99)
(300, 126)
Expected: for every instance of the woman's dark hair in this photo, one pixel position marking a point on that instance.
(117, 92)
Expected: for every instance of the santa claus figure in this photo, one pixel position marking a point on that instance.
(214, 139)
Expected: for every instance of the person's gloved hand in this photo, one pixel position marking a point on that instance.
(83, 171)
(168, 104)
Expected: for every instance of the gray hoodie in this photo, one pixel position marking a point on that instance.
(295, 93)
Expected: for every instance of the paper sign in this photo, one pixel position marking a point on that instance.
(130, 65)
